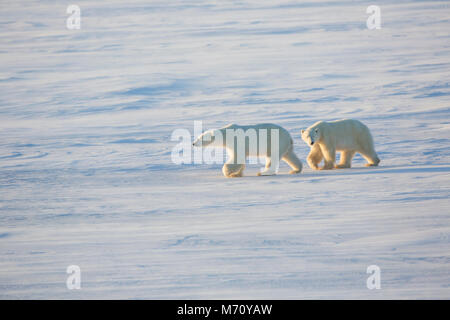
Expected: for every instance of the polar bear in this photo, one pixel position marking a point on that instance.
(260, 140)
(347, 135)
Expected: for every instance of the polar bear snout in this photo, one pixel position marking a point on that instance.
(312, 142)
(198, 142)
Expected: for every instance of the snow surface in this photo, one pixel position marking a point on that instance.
(86, 176)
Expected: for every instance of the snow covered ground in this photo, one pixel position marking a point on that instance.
(86, 176)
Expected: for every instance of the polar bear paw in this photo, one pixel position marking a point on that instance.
(233, 170)
(342, 166)
(371, 164)
(266, 173)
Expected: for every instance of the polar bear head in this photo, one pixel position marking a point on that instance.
(210, 138)
(311, 135)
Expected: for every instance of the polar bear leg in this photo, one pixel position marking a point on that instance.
(367, 150)
(293, 161)
(372, 159)
(270, 168)
(368, 153)
(346, 159)
(315, 156)
(232, 170)
(329, 154)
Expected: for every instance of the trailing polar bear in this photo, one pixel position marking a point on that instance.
(261, 140)
(348, 136)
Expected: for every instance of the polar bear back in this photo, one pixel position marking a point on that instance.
(347, 133)
(285, 139)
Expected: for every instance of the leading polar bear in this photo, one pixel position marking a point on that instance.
(260, 140)
(348, 136)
